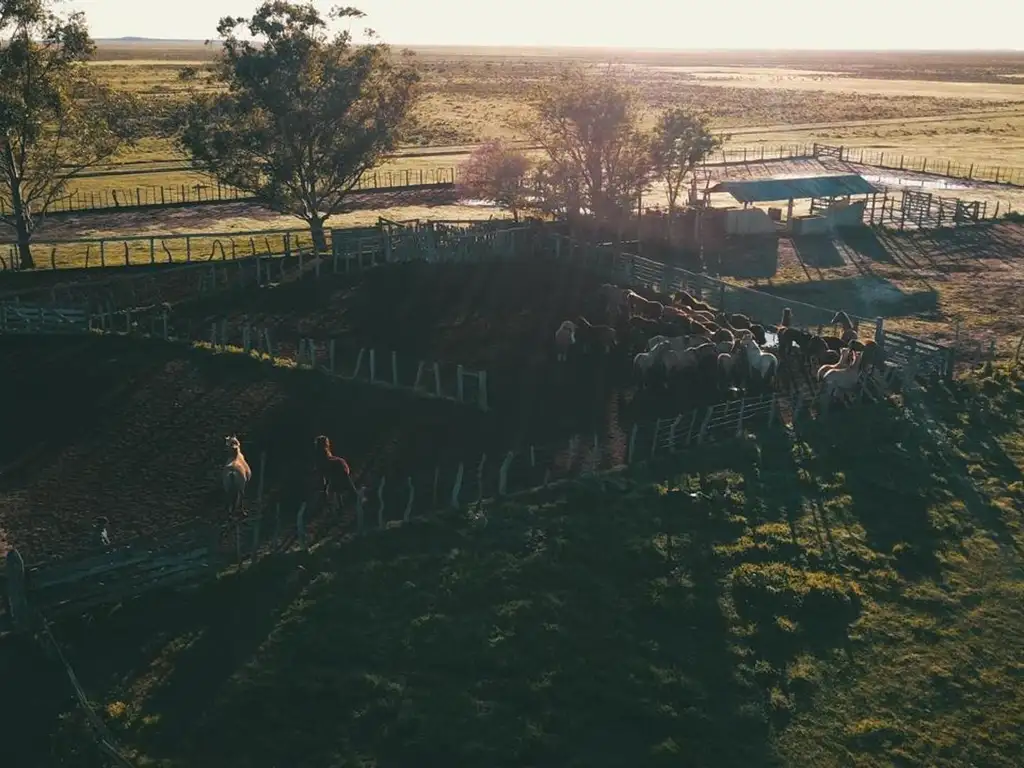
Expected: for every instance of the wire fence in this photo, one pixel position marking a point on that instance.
(205, 190)
(933, 166)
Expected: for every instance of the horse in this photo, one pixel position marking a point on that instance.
(683, 299)
(614, 300)
(872, 358)
(638, 305)
(645, 362)
(565, 337)
(735, 322)
(235, 475)
(762, 364)
(846, 358)
(334, 471)
(600, 334)
(759, 335)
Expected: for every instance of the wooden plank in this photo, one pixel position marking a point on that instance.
(112, 597)
(121, 561)
(88, 590)
(170, 537)
(97, 557)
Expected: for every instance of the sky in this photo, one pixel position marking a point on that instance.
(668, 24)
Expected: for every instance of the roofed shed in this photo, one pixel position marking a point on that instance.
(770, 190)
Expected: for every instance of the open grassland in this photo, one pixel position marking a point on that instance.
(473, 95)
(968, 108)
(848, 593)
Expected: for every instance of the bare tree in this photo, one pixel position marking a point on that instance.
(589, 128)
(496, 171)
(56, 120)
(305, 114)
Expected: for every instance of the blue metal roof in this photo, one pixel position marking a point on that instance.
(781, 188)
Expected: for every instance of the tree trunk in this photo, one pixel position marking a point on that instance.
(22, 222)
(23, 228)
(316, 229)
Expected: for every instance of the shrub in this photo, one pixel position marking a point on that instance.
(767, 590)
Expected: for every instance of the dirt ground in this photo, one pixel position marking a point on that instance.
(88, 451)
(922, 282)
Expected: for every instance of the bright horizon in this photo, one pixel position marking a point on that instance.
(869, 25)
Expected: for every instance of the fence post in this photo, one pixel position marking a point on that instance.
(373, 366)
(503, 474)
(408, 503)
(17, 600)
(380, 500)
(300, 525)
(457, 486)
(480, 480)
(482, 385)
(704, 424)
(394, 369)
(739, 424)
(458, 385)
(632, 444)
(672, 433)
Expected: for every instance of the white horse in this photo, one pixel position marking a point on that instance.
(644, 362)
(846, 359)
(235, 475)
(763, 364)
(679, 360)
(565, 337)
(841, 380)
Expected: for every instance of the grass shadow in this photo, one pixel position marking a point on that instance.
(564, 633)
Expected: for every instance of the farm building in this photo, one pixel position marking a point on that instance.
(831, 206)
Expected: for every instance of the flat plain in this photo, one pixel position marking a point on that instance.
(968, 108)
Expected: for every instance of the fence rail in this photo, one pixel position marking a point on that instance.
(121, 571)
(211, 191)
(933, 166)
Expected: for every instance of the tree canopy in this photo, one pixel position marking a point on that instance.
(498, 172)
(56, 120)
(305, 113)
(597, 156)
(681, 141)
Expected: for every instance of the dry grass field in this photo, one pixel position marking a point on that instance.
(967, 107)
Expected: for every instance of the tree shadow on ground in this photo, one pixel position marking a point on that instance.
(866, 296)
(817, 251)
(566, 633)
(897, 493)
(751, 258)
(865, 242)
(203, 217)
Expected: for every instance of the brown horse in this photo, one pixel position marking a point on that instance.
(600, 335)
(235, 475)
(334, 471)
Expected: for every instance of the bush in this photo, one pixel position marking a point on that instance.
(764, 591)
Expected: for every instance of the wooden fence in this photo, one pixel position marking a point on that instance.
(897, 161)
(211, 191)
(154, 250)
(187, 555)
(21, 318)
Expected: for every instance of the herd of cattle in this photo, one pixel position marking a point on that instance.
(679, 342)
